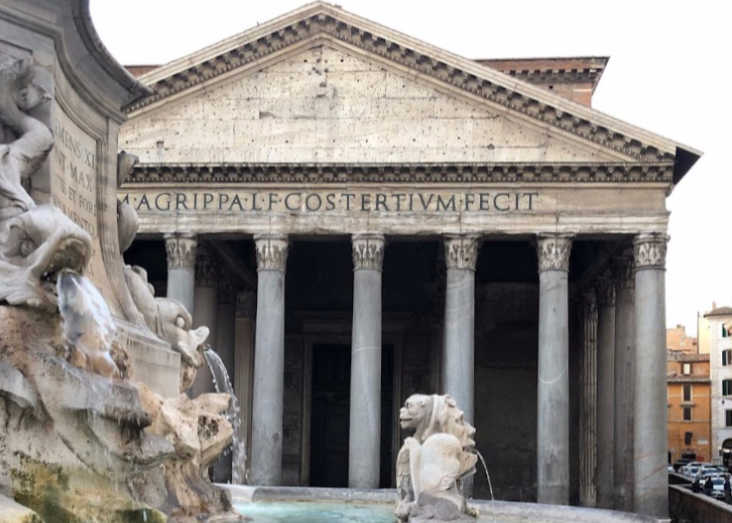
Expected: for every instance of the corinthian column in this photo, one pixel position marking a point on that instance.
(205, 300)
(552, 424)
(605, 289)
(365, 407)
(624, 365)
(181, 256)
(650, 490)
(588, 403)
(461, 255)
(269, 360)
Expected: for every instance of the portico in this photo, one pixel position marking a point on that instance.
(413, 221)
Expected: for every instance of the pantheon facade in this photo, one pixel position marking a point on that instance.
(359, 215)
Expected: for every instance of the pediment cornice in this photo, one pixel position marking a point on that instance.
(412, 173)
(319, 18)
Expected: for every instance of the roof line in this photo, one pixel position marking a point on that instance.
(467, 66)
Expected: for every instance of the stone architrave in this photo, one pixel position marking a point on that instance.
(461, 255)
(650, 488)
(624, 381)
(269, 360)
(180, 252)
(605, 289)
(365, 408)
(553, 370)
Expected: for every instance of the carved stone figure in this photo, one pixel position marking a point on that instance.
(170, 321)
(36, 242)
(432, 464)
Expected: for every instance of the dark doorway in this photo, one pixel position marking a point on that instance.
(329, 428)
(330, 416)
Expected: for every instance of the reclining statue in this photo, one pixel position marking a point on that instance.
(170, 321)
(432, 464)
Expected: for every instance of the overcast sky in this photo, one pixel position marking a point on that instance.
(669, 72)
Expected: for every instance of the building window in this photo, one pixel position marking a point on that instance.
(728, 418)
(687, 413)
(688, 437)
(727, 357)
(687, 391)
(726, 387)
(686, 369)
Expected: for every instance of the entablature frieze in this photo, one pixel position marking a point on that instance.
(464, 173)
(470, 78)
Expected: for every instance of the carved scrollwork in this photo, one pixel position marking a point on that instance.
(649, 251)
(623, 271)
(553, 252)
(368, 252)
(271, 252)
(371, 173)
(180, 251)
(206, 267)
(461, 251)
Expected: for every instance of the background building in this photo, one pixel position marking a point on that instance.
(348, 201)
(689, 418)
(716, 324)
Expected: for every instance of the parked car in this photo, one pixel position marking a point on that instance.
(718, 487)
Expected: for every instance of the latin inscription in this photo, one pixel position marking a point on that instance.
(73, 179)
(335, 201)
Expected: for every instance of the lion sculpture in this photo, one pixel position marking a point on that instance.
(432, 464)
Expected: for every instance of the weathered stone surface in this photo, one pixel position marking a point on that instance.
(12, 512)
(433, 463)
(327, 103)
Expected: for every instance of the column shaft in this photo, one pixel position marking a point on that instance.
(224, 346)
(624, 378)
(650, 489)
(243, 377)
(365, 406)
(181, 257)
(588, 419)
(269, 361)
(552, 438)
(605, 389)
(461, 254)
(206, 304)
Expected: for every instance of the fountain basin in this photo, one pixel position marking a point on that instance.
(312, 504)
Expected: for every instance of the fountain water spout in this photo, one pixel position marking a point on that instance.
(222, 383)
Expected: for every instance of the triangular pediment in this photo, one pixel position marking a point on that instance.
(470, 87)
(326, 103)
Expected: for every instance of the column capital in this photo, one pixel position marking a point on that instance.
(589, 300)
(461, 251)
(623, 269)
(649, 251)
(368, 251)
(553, 252)
(605, 289)
(226, 291)
(180, 250)
(206, 267)
(271, 252)
(246, 304)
